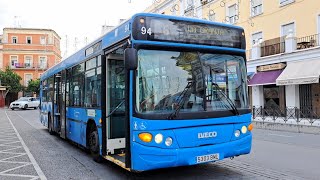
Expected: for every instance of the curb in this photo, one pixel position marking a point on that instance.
(287, 127)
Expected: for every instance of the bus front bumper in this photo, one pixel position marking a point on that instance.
(147, 158)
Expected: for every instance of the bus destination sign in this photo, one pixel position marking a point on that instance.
(170, 30)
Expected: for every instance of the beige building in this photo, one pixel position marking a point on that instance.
(283, 50)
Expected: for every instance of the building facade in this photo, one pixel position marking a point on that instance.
(29, 52)
(283, 52)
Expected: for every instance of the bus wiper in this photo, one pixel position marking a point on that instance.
(181, 102)
(232, 105)
(116, 108)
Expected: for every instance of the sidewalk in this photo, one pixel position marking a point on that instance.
(291, 125)
(16, 161)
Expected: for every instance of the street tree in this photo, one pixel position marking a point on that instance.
(34, 86)
(11, 80)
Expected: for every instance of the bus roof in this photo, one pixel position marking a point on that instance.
(114, 36)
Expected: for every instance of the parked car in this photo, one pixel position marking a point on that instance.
(24, 103)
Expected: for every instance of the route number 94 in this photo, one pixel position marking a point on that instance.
(144, 31)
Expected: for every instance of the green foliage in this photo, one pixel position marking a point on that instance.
(34, 86)
(11, 79)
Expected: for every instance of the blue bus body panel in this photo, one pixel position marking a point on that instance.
(76, 124)
(146, 125)
(147, 158)
(187, 144)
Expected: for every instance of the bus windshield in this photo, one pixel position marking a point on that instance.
(189, 81)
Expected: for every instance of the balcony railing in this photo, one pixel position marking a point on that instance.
(306, 115)
(272, 49)
(28, 66)
(308, 41)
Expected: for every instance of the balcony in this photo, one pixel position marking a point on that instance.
(308, 41)
(273, 46)
(283, 45)
(28, 66)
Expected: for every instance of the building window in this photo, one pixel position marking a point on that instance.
(256, 7)
(27, 78)
(42, 62)
(285, 2)
(29, 40)
(28, 61)
(233, 17)
(287, 29)
(42, 40)
(14, 61)
(256, 37)
(14, 40)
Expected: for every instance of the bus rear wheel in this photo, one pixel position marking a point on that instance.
(50, 129)
(94, 145)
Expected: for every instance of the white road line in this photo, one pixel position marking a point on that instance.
(8, 170)
(33, 161)
(280, 135)
(11, 153)
(11, 149)
(20, 175)
(9, 146)
(9, 143)
(13, 157)
(15, 162)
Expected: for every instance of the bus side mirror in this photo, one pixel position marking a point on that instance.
(130, 58)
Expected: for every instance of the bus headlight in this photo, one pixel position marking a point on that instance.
(145, 137)
(158, 138)
(237, 133)
(168, 141)
(244, 129)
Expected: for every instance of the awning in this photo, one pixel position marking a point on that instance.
(264, 78)
(302, 72)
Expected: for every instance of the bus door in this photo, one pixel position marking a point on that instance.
(62, 104)
(59, 103)
(115, 107)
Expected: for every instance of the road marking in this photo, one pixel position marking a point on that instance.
(280, 135)
(33, 161)
(13, 157)
(8, 170)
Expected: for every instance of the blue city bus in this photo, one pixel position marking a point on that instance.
(157, 91)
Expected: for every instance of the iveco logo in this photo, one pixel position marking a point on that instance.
(207, 134)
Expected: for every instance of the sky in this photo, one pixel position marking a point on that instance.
(71, 19)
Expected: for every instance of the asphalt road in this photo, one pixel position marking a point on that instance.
(27, 151)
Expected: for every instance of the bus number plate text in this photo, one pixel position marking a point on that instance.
(208, 158)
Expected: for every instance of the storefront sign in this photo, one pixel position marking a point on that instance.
(271, 67)
(310, 80)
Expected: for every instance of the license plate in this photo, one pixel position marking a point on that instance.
(208, 158)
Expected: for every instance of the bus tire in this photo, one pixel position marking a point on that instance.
(94, 145)
(50, 125)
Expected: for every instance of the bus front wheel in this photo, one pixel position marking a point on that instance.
(94, 145)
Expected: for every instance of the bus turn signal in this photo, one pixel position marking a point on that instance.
(145, 137)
